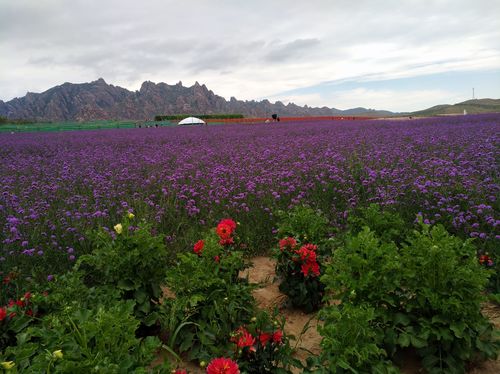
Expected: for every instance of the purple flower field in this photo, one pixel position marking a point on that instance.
(55, 187)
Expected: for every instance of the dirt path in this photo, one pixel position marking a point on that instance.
(268, 296)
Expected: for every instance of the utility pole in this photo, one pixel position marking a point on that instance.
(473, 97)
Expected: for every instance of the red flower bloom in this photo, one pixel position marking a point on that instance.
(217, 259)
(3, 313)
(20, 303)
(224, 231)
(277, 336)
(222, 365)
(244, 339)
(310, 267)
(29, 312)
(180, 371)
(27, 296)
(198, 247)
(264, 338)
(229, 222)
(287, 243)
(306, 254)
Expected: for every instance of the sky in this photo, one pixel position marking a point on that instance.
(398, 55)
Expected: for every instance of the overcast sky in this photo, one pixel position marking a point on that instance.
(398, 55)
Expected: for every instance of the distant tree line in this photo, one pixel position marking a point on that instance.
(200, 116)
(4, 120)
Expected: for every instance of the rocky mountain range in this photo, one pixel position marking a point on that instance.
(99, 100)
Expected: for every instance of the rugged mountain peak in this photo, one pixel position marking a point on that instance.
(98, 100)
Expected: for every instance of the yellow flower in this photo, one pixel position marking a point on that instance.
(118, 228)
(7, 365)
(203, 364)
(58, 355)
(130, 215)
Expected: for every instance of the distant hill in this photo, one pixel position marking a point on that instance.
(471, 106)
(99, 100)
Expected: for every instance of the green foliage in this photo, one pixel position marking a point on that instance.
(267, 348)
(304, 224)
(351, 342)
(131, 260)
(200, 116)
(210, 300)
(387, 225)
(100, 340)
(426, 293)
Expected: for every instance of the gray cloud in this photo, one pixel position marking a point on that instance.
(286, 51)
(243, 49)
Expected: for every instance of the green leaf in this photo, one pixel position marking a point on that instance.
(126, 284)
(401, 319)
(404, 340)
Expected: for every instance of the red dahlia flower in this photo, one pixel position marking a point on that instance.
(277, 336)
(287, 243)
(222, 365)
(244, 339)
(306, 254)
(224, 231)
(198, 247)
(264, 338)
(229, 222)
(310, 267)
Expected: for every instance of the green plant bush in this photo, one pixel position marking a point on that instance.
(426, 293)
(387, 225)
(99, 340)
(207, 299)
(132, 260)
(351, 342)
(304, 224)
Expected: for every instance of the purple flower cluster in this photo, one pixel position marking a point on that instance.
(54, 187)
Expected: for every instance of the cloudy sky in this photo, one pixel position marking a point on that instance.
(398, 55)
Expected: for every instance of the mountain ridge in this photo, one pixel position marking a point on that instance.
(98, 100)
(473, 106)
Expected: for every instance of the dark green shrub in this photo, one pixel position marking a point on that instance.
(387, 225)
(304, 224)
(100, 340)
(208, 300)
(351, 342)
(425, 294)
(132, 260)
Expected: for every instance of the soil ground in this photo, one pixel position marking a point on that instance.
(303, 326)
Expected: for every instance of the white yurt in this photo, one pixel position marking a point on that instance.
(191, 121)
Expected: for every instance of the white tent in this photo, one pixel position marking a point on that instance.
(191, 121)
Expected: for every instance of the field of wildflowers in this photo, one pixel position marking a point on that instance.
(128, 225)
(54, 187)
